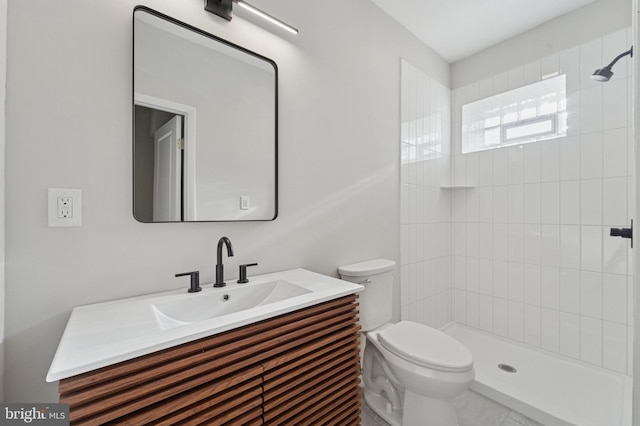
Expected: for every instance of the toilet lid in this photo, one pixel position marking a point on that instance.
(426, 346)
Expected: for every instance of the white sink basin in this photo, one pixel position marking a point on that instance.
(119, 330)
(203, 306)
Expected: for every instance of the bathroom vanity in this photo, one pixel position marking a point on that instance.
(285, 360)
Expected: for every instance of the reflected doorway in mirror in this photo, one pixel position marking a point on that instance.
(150, 114)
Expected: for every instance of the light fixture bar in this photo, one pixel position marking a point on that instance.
(267, 17)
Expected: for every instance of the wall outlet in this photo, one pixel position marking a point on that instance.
(65, 207)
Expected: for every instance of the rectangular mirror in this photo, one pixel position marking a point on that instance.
(205, 125)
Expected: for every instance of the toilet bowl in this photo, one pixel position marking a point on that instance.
(428, 379)
(410, 371)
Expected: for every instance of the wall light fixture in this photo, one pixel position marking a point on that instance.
(224, 9)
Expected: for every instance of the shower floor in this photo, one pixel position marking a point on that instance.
(548, 388)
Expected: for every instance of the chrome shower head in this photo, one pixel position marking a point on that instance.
(605, 74)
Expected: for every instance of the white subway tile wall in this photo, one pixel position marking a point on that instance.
(521, 247)
(426, 271)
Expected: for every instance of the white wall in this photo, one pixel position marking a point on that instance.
(69, 125)
(636, 258)
(3, 76)
(582, 25)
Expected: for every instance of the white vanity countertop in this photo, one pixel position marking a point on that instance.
(104, 334)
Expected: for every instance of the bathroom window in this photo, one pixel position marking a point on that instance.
(527, 114)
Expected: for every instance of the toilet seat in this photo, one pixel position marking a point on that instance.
(426, 346)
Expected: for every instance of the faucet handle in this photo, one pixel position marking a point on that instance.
(243, 273)
(195, 280)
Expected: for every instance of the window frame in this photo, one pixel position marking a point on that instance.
(510, 110)
(553, 118)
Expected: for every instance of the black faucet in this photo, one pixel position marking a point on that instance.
(219, 267)
(195, 280)
(242, 279)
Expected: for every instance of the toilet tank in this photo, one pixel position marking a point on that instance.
(376, 300)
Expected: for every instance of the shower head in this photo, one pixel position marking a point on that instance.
(605, 74)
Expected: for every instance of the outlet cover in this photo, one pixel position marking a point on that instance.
(65, 207)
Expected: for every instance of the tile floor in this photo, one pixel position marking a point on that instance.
(472, 409)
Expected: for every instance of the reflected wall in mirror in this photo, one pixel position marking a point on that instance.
(205, 126)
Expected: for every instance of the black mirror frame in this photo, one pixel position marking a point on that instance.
(229, 44)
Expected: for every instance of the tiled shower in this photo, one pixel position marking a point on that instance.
(515, 241)
(425, 213)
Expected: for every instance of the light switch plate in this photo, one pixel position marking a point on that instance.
(245, 202)
(65, 207)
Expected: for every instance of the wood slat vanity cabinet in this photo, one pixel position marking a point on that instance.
(301, 368)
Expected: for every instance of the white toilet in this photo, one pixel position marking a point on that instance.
(410, 371)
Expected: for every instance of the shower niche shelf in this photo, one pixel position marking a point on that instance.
(457, 186)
